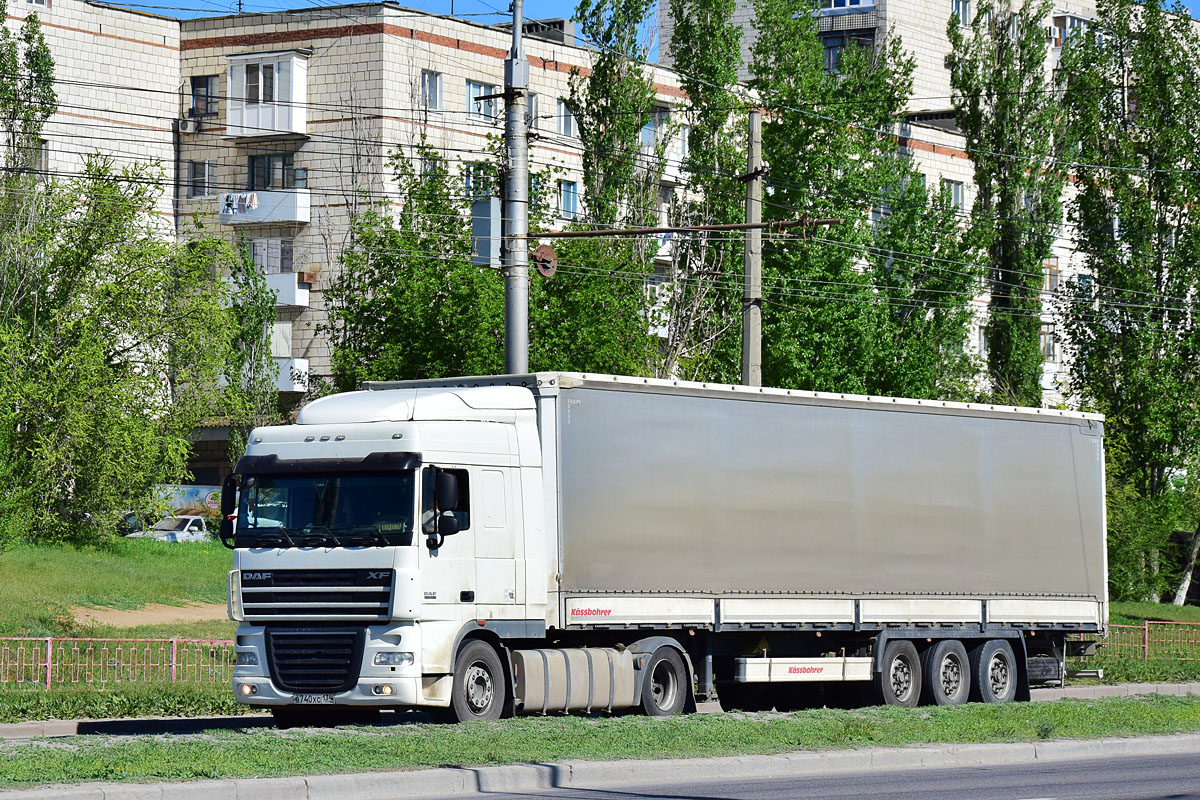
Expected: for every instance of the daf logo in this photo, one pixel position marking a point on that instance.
(371, 576)
(256, 576)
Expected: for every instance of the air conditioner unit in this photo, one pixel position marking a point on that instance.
(186, 125)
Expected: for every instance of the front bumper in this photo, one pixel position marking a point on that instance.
(405, 681)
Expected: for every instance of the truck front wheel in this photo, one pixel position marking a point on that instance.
(899, 682)
(665, 684)
(480, 688)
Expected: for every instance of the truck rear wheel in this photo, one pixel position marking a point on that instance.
(665, 684)
(480, 688)
(993, 672)
(899, 682)
(947, 673)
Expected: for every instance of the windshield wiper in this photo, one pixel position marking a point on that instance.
(265, 537)
(371, 533)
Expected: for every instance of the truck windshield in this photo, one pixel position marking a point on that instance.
(322, 510)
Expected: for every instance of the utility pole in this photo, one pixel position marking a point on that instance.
(515, 210)
(752, 295)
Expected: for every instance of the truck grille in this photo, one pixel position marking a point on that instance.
(301, 595)
(316, 661)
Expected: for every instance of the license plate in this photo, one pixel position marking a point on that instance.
(313, 699)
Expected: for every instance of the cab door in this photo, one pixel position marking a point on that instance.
(448, 579)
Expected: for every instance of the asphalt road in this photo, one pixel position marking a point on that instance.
(1127, 778)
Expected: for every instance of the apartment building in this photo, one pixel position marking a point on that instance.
(274, 129)
(930, 136)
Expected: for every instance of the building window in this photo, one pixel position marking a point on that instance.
(955, 192)
(656, 123)
(983, 341)
(531, 117)
(202, 178)
(42, 3)
(1053, 276)
(566, 120)
(204, 96)
(477, 180)
(568, 199)
(431, 90)
(837, 43)
(273, 256)
(260, 83)
(961, 11)
(274, 172)
(480, 109)
(37, 159)
(833, 4)
(1046, 338)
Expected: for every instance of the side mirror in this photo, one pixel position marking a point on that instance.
(229, 495)
(226, 532)
(446, 488)
(447, 524)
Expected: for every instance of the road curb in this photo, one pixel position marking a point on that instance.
(597, 774)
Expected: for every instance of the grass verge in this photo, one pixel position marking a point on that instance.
(1131, 613)
(262, 753)
(131, 700)
(1135, 670)
(39, 585)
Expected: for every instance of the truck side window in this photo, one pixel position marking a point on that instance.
(428, 512)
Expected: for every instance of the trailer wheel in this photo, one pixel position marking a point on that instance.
(947, 674)
(993, 672)
(479, 689)
(665, 684)
(899, 682)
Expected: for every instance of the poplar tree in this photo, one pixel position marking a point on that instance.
(1131, 317)
(1014, 126)
(879, 303)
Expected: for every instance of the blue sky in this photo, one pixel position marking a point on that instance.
(483, 11)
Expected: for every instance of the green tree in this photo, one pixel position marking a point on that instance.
(1131, 317)
(1014, 126)
(112, 340)
(594, 315)
(408, 302)
(249, 397)
(702, 305)
(878, 304)
(27, 97)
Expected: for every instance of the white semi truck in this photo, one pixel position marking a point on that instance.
(555, 542)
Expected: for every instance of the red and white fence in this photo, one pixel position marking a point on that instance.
(101, 663)
(1153, 640)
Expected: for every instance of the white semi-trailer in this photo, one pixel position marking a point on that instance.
(559, 542)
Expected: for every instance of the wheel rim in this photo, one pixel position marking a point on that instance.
(480, 689)
(999, 675)
(664, 685)
(902, 678)
(951, 675)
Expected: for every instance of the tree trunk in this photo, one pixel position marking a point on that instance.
(1185, 582)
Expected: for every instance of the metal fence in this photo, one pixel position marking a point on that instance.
(51, 662)
(1153, 640)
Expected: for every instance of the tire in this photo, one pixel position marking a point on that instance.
(947, 674)
(899, 682)
(993, 672)
(665, 683)
(480, 686)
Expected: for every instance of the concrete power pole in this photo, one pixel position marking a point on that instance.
(752, 299)
(515, 210)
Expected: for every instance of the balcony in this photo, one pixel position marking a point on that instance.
(268, 96)
(264, 207)
(289, 290)
(292, 375)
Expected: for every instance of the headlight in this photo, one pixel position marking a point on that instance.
(247, 659)
(393, 659)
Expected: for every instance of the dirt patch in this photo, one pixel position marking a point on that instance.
(152, 614)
